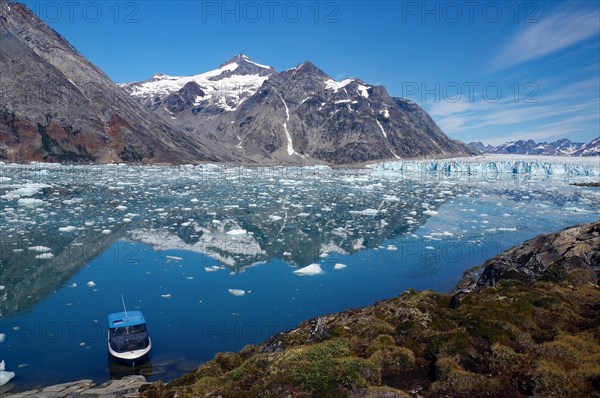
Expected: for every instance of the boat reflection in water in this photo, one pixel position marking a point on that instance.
(117, 370)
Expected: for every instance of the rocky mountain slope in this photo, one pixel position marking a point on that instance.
(562, 147)
(592, 148)
(533, 333)
(57, 106)
(245, 110)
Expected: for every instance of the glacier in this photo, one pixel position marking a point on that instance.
(495, 165)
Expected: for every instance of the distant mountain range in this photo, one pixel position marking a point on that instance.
(563, 147)
(57, 106)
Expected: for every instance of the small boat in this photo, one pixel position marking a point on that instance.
(128, 340)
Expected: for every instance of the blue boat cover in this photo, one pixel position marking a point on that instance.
(118, 319)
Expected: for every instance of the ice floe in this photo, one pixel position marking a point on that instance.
(5, 376)
(309, 270)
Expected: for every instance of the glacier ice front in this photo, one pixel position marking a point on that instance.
(493, 165)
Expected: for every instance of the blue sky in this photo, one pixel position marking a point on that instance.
(491, 71)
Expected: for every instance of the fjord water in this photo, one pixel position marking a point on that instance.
(182, 243)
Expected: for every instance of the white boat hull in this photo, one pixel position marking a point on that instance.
(130, 357)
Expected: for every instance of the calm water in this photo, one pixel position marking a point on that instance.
(174, 240)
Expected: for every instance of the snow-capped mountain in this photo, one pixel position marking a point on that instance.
(562, 147)
(592, 148)
(57, 106)
(481, 147)
(300, 115)
(224, 88)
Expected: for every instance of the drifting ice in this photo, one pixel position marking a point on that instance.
(5, 376)
(310, 270)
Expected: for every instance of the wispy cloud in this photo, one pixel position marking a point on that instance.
(567, 110)
(551, 34)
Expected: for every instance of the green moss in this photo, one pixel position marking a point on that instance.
(228, 360)
(449, 344)
(381, 341)
(248, 351)
(210, 368)
(330, 366)
(393, 360)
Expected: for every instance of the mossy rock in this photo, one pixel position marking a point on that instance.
(449, 344)
(393, 360)
(383, 340)
(248, 351)
(461, 383)
(210, 368)
(228, 360)
(329, 366)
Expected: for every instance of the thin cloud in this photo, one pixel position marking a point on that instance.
(548, 36)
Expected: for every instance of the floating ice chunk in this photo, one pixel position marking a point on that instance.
(339, 266)
(287, 254)
(392, 247)
(309, 270)
(91, 284)
(2, 287)
(237, 292)
(168, 295)
(44, 256)
(235, 232)
(446, 233)
(2, 338)
(68, 228)
(365, 212)
(73, 285)
(429, 248)
(127, 220)
(30, 202)
(5, 376)
(106, 231)
(121, 207)
(194, 200)
(174, 258)
(275, 218)
(40, 249)
(89, 223)
(430, 212)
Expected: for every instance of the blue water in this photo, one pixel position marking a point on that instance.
(177, 267)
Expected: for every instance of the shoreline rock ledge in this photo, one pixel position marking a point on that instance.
(549, 256)
(127, 387)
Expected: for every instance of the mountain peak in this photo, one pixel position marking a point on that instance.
(308, 68)
(242, 59)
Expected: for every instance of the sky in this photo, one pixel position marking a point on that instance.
(490, 71)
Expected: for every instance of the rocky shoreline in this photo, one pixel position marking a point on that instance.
(127, 387)
(526, 322)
